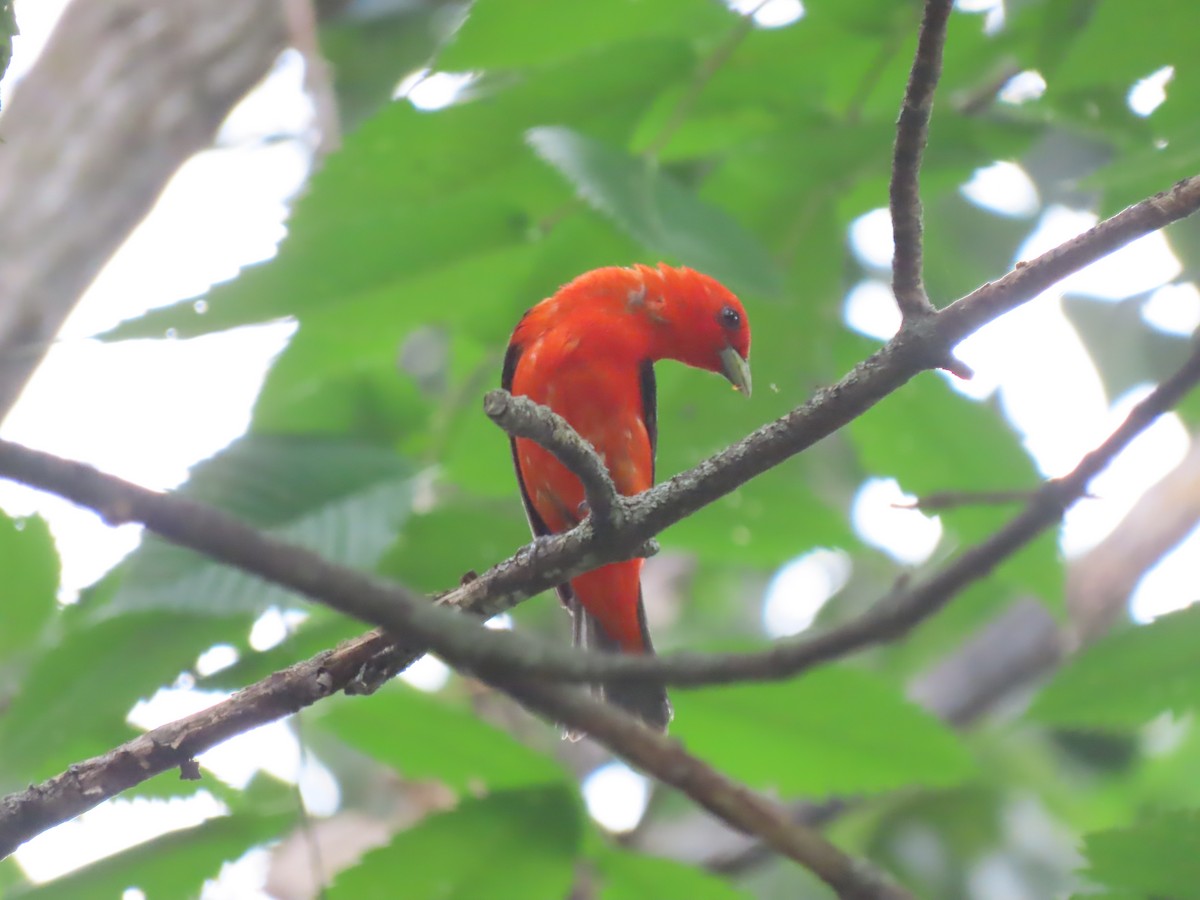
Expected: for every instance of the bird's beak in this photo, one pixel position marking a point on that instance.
(735, 367)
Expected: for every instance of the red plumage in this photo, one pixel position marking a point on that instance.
(588, 353)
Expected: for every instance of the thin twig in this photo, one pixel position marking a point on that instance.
(521, 417)
(912, 132)
(940, 500)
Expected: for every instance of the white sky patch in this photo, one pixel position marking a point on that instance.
(907, 535)
(1174, 308)
(111, 827)
(871, 238)
(428, 673)
(500, 622)
(95, 402)
(1004, 188)
(871, 309)
(1149, 93)
(993, 10)
(273, 626)
(1049, 388)
(98, 403)
(801, 588)
(1170, 585)
(271, 748)
(771, 13)
(36, 19)
(242, 879)
(284, 109)
(1141, 266)
(616, 796)
(429, 91)
(215, 659)
(318, 788)
(1148, 457)
(1023, 87)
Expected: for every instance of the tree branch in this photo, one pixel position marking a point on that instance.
(894, 615)
(521, 417)
(912, 133)
(124, 92)
(554, 560)
(461, 642)
(730, 801)
(1022, 644)
(86, 784)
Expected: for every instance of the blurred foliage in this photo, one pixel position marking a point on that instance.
(609, 132)
(8, 29)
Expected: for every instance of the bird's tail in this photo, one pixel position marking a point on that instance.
(644, 698)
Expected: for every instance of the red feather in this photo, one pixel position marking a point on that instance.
(588, 353)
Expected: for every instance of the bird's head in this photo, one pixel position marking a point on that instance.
(697, 320)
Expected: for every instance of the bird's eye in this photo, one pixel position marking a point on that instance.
(729, 317)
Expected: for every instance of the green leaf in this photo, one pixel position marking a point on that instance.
(437, 548)
(967, 245)
(74, 699)
(8, 28)
(413, 193)
(1156, 858)
(930, 439)
(508, 34)
(631, 876)
(29, 561)
(512, 845)
(340, 498)
(174, 865)
(11, 877)
(321, 629)
(1126, 351)
(373, 48)
(658, 212)
(422, 736)
(836, 730)
(1122, 43)
(1125, 679)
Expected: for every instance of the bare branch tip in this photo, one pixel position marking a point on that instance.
(495, 403)
(957, 367)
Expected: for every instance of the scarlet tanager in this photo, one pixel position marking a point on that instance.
(588, 353)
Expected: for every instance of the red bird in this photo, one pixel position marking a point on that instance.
(588, 353)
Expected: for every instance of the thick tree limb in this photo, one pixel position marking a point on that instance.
(124, 92)
(912, 133)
